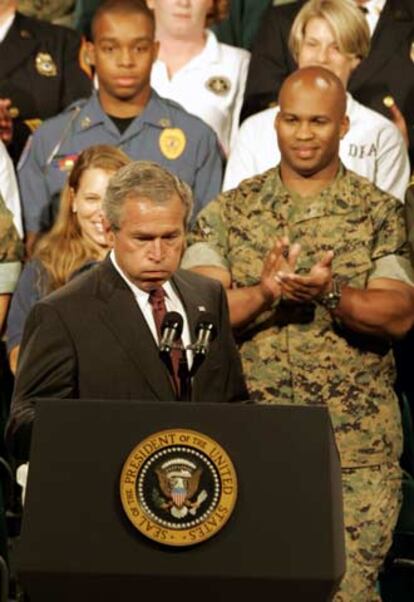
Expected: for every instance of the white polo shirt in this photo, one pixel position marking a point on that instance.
(373, 148)
(210, 86)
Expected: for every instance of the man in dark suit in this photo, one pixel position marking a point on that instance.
(388, 71)
(42, 71)
(96, 338)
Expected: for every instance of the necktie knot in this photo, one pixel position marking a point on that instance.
(157, 299)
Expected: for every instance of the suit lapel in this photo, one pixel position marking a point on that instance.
(122, 316)
(18, 44)
(191, 299)
(393, 27)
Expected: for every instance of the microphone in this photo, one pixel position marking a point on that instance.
(171, 329)
(206, 332)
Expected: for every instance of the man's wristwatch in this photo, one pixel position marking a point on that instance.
(331, 300)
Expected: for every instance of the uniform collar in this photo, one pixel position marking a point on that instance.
(211, 53)
(328, 201)
(155, 113)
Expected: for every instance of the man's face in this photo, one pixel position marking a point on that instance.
(180, 19)
(150, 242)
(123, 52)
(320, 49)
(309, 127)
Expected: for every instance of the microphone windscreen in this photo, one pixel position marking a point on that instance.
(173, 319)
(206, 321)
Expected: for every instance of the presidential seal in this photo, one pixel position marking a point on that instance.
(172, 142)
(178, 487)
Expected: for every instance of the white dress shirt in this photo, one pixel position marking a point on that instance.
(4, 27)
(373, 9)
(172, 303)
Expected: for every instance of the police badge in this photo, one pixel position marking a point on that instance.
(45, 65)
(219, 85)
(172, 142)
(178, 487)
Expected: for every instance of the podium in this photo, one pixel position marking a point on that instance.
(284, 540)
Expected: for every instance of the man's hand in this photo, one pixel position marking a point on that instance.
(304, 289)
(6, 122)
(281, 258)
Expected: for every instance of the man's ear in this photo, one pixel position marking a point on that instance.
(344, 129)
(156, 50)
(109, 233)
(90, 53)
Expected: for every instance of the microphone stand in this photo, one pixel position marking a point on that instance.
(185, 379)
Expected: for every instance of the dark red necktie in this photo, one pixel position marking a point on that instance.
(157, 301)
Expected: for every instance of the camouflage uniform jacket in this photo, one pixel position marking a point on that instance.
(11, 250)
(297, 354)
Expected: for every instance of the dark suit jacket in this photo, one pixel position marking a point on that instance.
(389, 68)
(23, 65)
(89, 340)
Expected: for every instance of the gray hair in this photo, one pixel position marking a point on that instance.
(144, 179)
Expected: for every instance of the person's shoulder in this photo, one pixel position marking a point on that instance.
(57, 124)
(261, 119)
(182, 118)
(43, 30)
(197, 280)
(77, 290)
(233, 54)
(359, 188)
(255, 184)
(364, 117)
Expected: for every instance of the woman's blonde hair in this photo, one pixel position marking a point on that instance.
(345, 19)
(63, 250)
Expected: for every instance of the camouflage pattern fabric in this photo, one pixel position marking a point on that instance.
(11, 250)
(372, 500)
(297, 354)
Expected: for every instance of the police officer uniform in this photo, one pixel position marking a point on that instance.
(164, 133)
(41, 72)
(373, 147)
(216, 78)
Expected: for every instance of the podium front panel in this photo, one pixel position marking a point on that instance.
(284, 538)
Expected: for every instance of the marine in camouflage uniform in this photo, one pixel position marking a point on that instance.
(297, 353)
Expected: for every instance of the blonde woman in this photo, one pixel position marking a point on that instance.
(76, 239)
(204, 76)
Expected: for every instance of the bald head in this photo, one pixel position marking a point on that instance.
(315, 79)
(310, 123)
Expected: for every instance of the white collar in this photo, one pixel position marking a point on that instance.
(374, 6)
(211, 53)
(138, 293)
(4, 28)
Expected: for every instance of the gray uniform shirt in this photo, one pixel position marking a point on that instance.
(164, 133)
